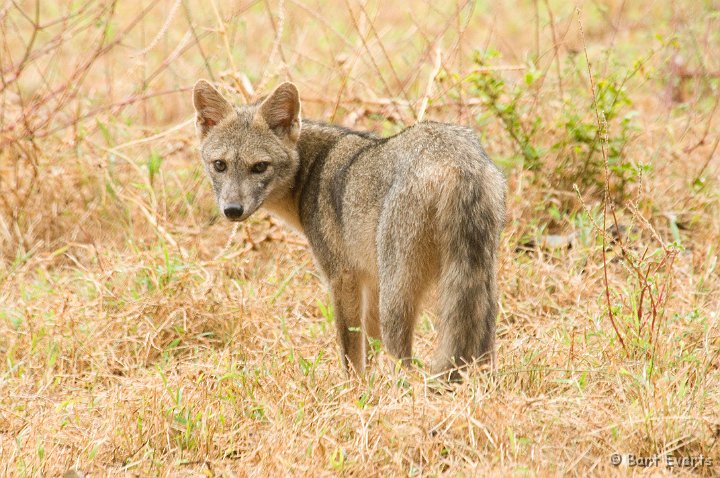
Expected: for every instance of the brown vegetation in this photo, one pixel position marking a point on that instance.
(142, 334)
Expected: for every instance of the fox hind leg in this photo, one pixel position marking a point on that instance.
(404, 265)
(371, 311)
(399, 298)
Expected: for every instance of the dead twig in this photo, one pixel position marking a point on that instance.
(430, 83)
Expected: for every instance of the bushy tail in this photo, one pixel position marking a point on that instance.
(470, 218)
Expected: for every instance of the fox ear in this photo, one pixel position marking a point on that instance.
(211, 107)
(281, 112)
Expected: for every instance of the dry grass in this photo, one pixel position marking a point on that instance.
(141, 335)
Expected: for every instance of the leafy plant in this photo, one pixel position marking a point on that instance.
(568, 128)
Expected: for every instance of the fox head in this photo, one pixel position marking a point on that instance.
(249, 151)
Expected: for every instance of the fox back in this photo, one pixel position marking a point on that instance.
(385, 217)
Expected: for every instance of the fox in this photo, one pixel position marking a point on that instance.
(386, 218)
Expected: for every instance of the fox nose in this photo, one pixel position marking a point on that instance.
(233, 211)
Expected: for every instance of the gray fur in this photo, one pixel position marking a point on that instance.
(385, 217)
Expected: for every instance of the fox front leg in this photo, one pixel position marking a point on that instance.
(347, 301)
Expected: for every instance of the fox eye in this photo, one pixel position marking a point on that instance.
(220, 165)
(260, 167)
